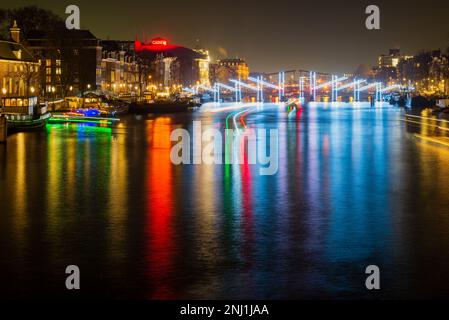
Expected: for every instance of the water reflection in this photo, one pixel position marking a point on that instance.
(354, 187)
(159, 197)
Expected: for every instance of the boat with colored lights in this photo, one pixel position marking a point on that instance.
(78, 118)
(106, 105)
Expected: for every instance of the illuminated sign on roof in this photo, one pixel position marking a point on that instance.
(159, 42)
(156, 44)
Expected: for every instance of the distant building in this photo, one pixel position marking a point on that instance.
(173, 65)
(439, 73)
(231, 69)
(121, 70)
(167, 71)
(70, 61)
(427, 71)
(386, 69)
(388, 66)
(213, 72)
(291, 77)
(19, 70)
(389, 60)
(202, 66)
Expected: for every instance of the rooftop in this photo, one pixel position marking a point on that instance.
(15, 52)
(66, 33)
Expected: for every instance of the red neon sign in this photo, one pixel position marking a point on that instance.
(159, 42)
(156, 44)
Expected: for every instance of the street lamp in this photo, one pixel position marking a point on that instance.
(4, 90)
(52, 90)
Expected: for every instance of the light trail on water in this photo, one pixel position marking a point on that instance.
(227, 108)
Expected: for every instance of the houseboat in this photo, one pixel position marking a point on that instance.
(24, 113)
(107, 106)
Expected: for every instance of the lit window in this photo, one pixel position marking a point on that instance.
(48, 62)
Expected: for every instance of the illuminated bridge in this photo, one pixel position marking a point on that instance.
(303, 85)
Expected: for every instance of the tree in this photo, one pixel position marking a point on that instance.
(28, 74)
(143, 74)
(4, 24)
(29, 19)
(69, 62)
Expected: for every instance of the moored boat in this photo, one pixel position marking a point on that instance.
(24, 113)
(164, 106)
(108, 106)
(71, 117)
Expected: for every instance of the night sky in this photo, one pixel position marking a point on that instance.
(328, 36)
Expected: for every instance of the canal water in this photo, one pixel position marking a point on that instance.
(355, 186)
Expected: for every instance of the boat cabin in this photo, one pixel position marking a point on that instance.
(22, 108)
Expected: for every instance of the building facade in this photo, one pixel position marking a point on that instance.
(174, 65)
(231, 69)
(387, 69)
(202, 66)
(166, 72)
(427, 72)
(19, 70)
(121, 72)
(70, 61)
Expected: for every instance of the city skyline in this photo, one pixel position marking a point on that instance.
(269, 46)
